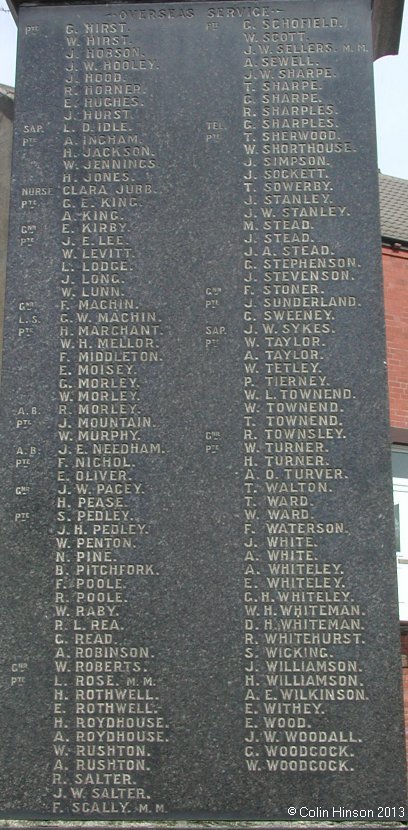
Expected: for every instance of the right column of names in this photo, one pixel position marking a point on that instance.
(303, 627)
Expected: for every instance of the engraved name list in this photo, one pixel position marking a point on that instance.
(189, 364)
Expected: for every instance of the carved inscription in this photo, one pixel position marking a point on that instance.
(296, 288)
(194, 412)
(108, 344)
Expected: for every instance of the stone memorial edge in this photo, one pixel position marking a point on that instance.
(387, 15)
(201, 825)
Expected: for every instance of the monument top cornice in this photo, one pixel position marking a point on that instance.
(387, 20)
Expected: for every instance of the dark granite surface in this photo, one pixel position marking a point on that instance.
(198, 578)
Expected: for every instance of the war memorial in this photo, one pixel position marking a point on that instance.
(198, 593)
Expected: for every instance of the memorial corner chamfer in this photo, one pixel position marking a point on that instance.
(198, 580)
